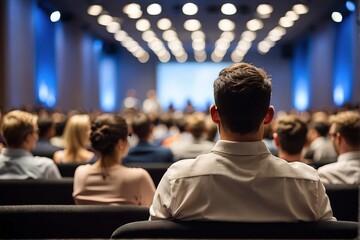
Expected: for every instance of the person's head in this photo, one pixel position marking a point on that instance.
(109, 133)
(46, 127)
(196, 124)
(142, 126)
(77, 132)
(290, 136)
(20, 129)
(242, 95)
(345, 131)
(317, 129)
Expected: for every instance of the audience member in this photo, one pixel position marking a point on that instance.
(107, 181)
(268, 139)
(290, 137)
(345, 135)
(77, 142)
(59, 120)
(151, 105)
(145, 151)
(16, 161)
(43, 146)
(180, 124)
(240, 180)
(320, 151)
(196, 144)
(131, 103)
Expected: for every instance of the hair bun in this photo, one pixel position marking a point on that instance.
(100, 139)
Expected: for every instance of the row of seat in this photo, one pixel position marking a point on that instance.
(131, 222)
(344, 199)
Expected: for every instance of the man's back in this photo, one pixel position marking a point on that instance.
(241, 182)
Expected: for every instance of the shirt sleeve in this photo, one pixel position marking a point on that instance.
(160, 208)
(52, 171)
(324, 210)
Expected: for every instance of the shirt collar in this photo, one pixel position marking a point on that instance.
(349, 156)
(15, 152)
(241, 148)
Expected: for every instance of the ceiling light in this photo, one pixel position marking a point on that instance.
(144, 58)
(226, 25)
(131, 8)
(197, 35)
(285, 22)
(254, 24)
(248, 36)
(263, 47)
(143, 24)
(192, 25)
(120, 35)
(94, 10)
(200, 56)
(182, 58)
(164, 24)
(293, 16)
(55, 16)
(113, 27)
(154, 9)
(228, 9)
(148, 35)
(190, 9)
(336, 17)
(104, 19)
(278, 31)
(264, 9)
(169, 35)
(228, 35)
(300, 9)
(135, 15)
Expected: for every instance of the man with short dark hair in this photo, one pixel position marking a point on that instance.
(345, 135)
(290, 137)
(240, 180)
(145, 150)
(16, 161)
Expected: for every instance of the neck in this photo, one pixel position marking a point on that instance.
(289, 157)
(237, 137)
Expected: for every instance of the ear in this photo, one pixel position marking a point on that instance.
(214, 114)
(276, 140)
(269, 115)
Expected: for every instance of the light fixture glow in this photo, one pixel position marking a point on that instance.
(226, 25)
(228, 9)
(94, 10)
(300, 9)
(142, 25)
(264, 9)
(190, 9)
(164, 24)
(192, 25)
(336, 17)
(154, 9)
(55, 16)
(254, 24)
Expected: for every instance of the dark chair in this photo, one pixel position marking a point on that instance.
(238, 230)
(344, 200)
(155, 169)
(20, 192)
(68, 169)
(66, 221)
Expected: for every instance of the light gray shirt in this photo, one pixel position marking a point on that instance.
(21, 164)
(241, 181)
(345, 171)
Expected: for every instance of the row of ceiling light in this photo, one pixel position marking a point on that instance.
(133, 11)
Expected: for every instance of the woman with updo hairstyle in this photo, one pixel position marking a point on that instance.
(107, 181)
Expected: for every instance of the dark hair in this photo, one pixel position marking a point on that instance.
(106, 131)
(242, 95)
(291, 132)
(322, 128)
(141, 124)
(44, 125)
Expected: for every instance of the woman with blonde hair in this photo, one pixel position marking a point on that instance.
(107, 181)
(76, 140)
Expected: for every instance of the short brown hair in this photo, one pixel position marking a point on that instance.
(291, 131)
(348, 125)
(16, 125)
(242, 95)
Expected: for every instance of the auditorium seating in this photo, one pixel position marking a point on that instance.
(20, 192)
(344, 200)
(239, 230)
(68, 169)
(66, 221)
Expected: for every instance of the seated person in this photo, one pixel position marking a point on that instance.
(290, 137)
(320, 151)
(46, 131)
(107, 181)
(145, 150)
(196, 144)
(240, 180)
(344, 133)
(20, 131)
(76, 140)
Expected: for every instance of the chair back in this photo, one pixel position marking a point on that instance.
(344, 200)
(41, 191)
(238, 230)
(66, 221)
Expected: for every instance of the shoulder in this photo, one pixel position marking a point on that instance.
(44, 160)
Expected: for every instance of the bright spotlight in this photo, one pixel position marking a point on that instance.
(55, 16)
